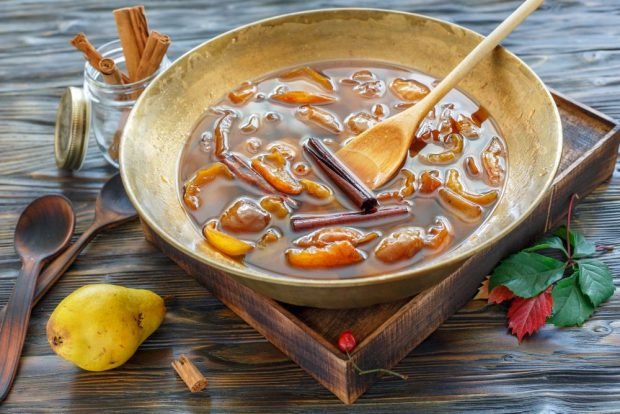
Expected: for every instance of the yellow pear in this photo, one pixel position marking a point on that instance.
(99, 327)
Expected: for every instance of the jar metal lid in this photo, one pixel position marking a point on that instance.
(72, 127)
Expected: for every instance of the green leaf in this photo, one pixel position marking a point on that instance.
(547, 242)
(527, 274)
(595, 280)
(581, 246)
(570, 306)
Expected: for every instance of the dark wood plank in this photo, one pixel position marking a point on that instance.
(469, 364)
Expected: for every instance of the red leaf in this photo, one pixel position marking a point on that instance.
(526, 316)
(500, 294)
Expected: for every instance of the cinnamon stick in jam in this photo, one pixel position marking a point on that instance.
(133, 32)
(306, 222)
(245, 172)
(357, 192)
(154, 52)
(242, 170)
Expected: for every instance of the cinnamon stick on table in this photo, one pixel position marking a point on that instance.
(133, 32)
(188, 372)
(154, 51)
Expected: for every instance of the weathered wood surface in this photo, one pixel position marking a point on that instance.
(470, 363)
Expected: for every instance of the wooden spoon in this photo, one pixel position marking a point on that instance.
(43, 229)
(377, 153)
(112, 209)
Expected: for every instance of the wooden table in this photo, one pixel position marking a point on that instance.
(470, 363)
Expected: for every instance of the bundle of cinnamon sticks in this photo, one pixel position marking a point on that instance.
(144, 50)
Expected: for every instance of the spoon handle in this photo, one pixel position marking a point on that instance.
(476, 55)
(15, 323)
(57, 267)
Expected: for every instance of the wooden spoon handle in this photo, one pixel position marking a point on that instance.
(479, 52)
(15, 323)
(59, 265)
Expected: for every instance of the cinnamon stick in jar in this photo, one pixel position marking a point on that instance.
(154, 52)
(116, 139)
(133, 32)
(110, 72)
(92, 55)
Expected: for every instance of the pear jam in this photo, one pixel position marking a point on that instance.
(253, 175)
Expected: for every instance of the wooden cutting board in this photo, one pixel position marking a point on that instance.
(387, 333)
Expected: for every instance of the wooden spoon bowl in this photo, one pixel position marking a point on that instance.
(44, 228)
(377, 154)
(113, 205)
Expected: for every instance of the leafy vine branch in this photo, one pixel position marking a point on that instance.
(541, 289)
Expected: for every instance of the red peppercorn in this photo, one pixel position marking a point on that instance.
(347, 342)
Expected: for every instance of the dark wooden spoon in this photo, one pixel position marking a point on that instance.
(43, 229)
(112, 209)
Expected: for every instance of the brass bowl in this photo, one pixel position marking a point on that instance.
(165, 114)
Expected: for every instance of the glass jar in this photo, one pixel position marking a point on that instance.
(111, 104)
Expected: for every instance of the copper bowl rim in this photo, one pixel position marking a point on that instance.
(403, 274)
